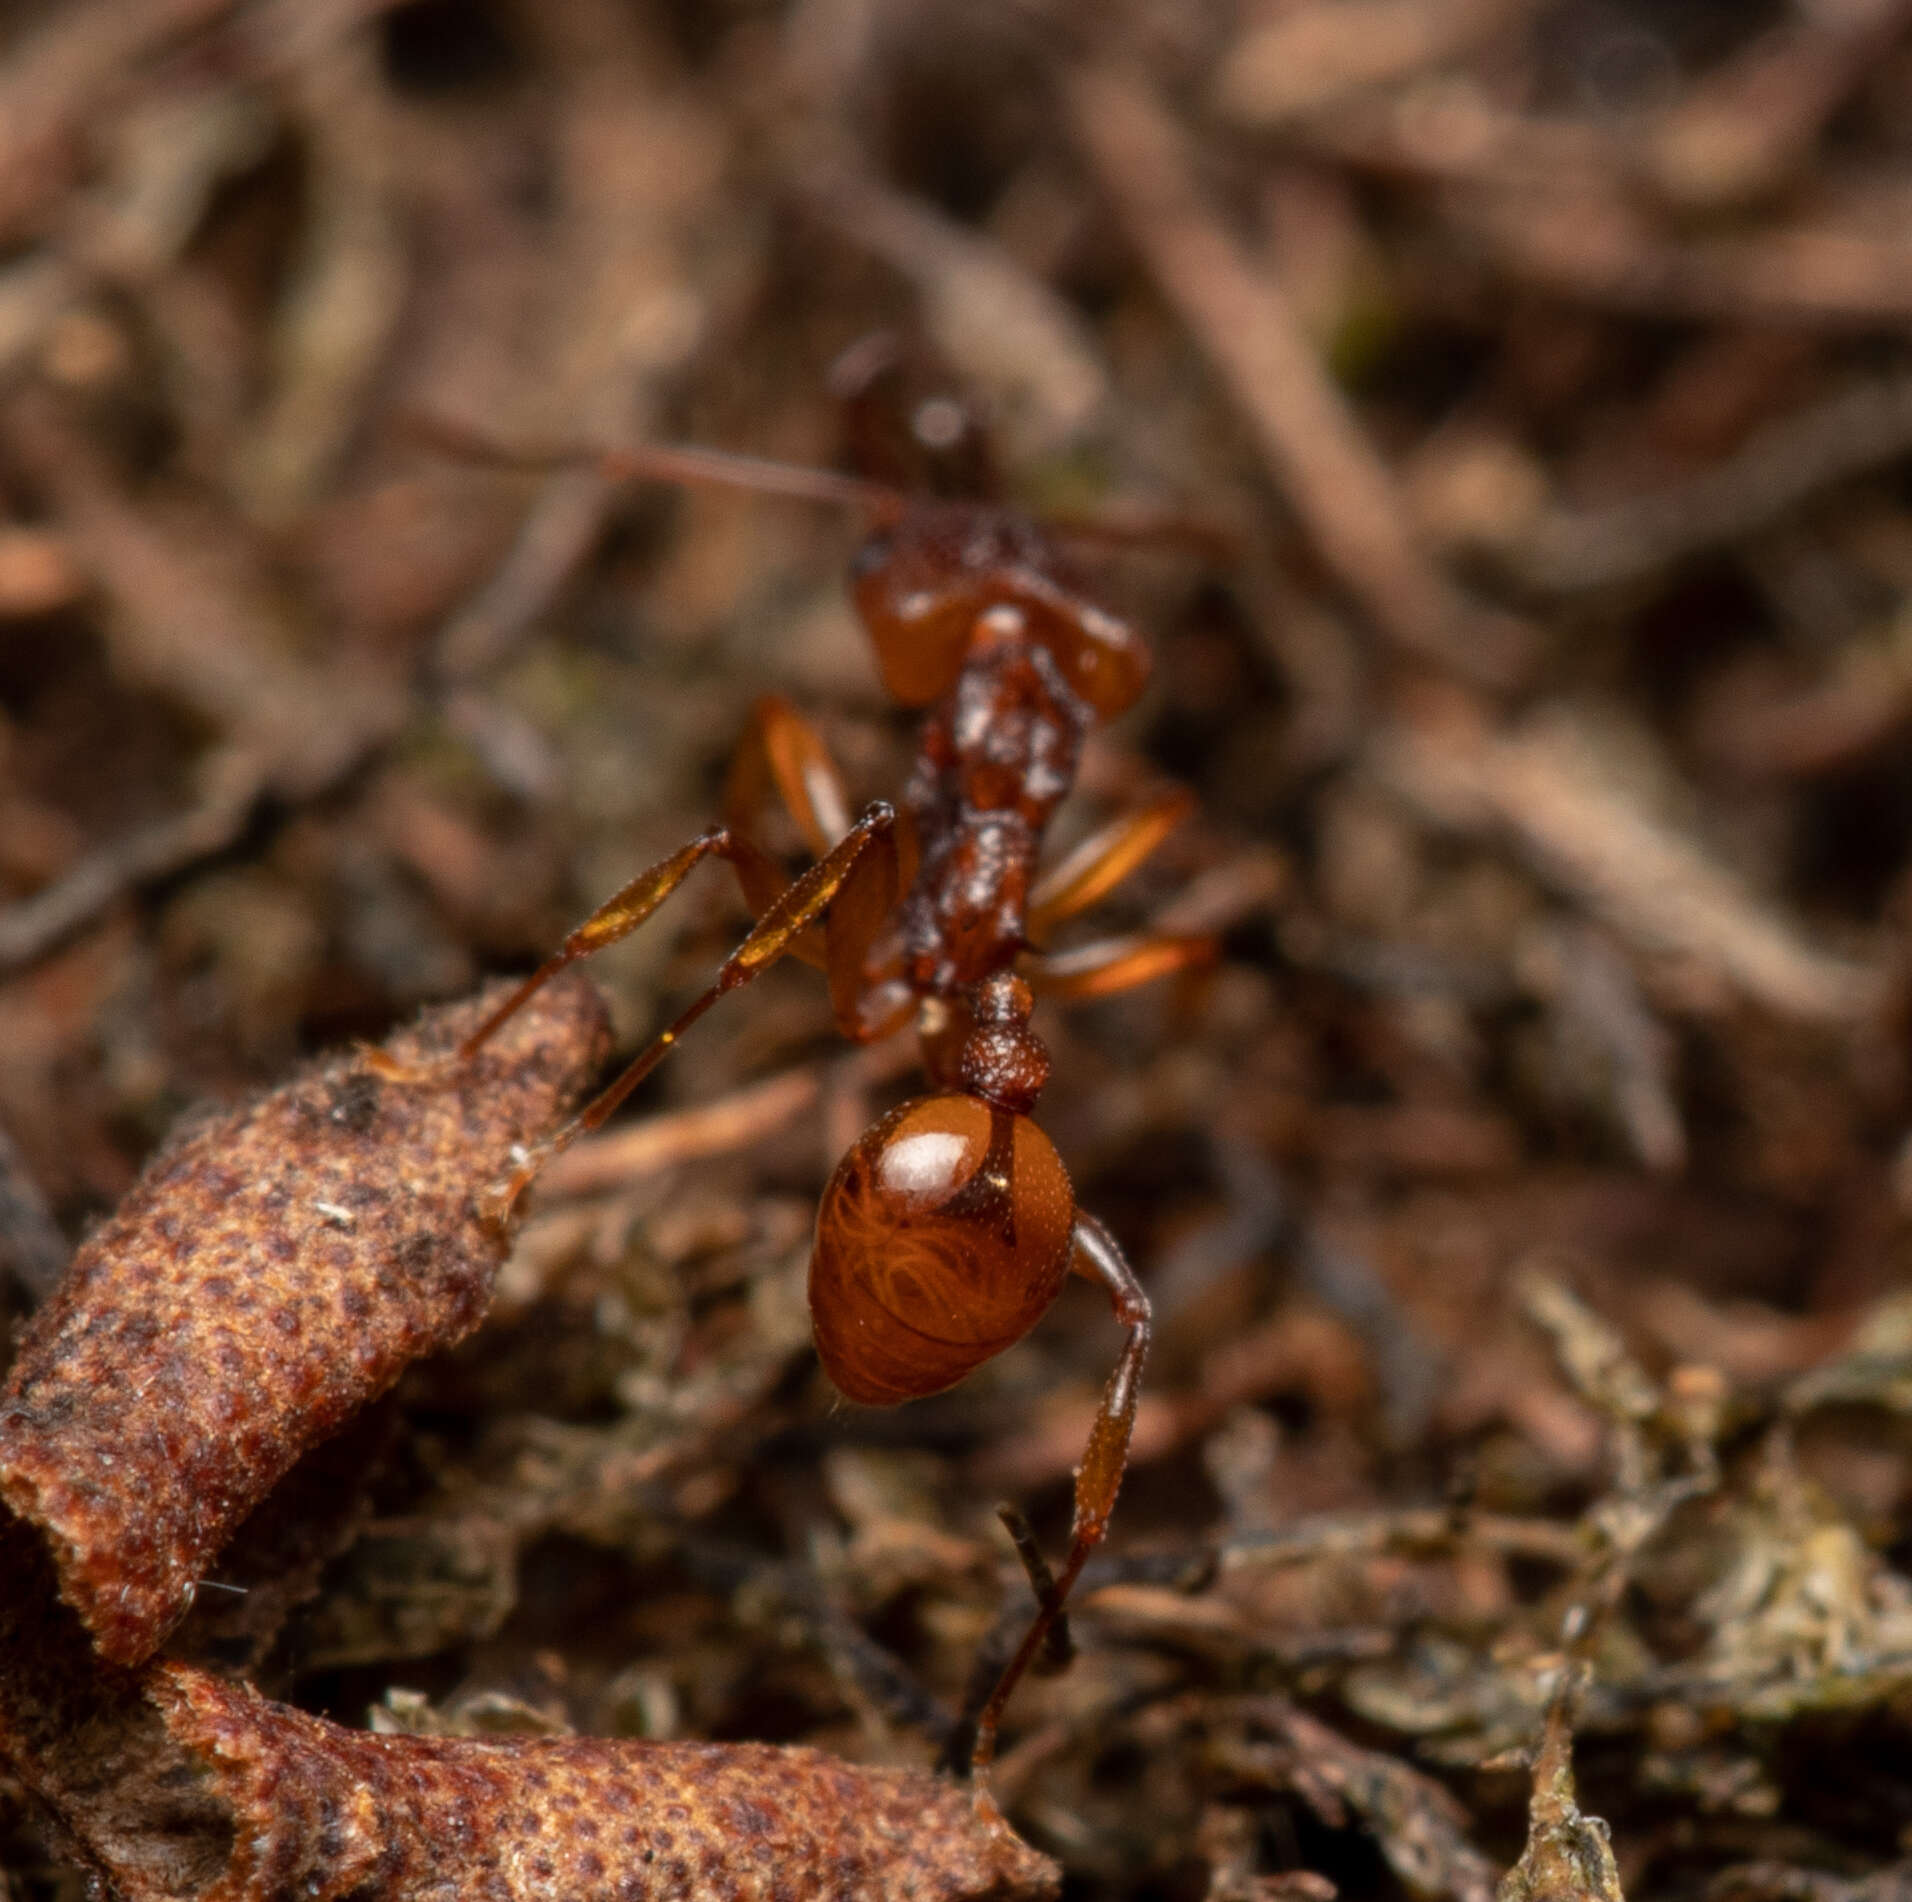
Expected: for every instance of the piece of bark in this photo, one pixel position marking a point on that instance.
(274, 1562)
(319, 1811)
(173, 1785)
(84, 1738)
(272, 1271)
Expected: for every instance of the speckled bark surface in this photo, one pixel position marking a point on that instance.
(320, 1811)
(272, 1271)
(123, 1799)
(174, 1785)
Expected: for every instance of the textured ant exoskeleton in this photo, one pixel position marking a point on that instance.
(950, 1227)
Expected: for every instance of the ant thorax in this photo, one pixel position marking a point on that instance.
(998, 755)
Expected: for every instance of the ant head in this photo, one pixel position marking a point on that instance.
(904, 423)
(924, 581)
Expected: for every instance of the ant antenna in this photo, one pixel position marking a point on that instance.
(1133, 525)
(690, 463)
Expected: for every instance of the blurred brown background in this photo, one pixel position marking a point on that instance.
(1525, 1195)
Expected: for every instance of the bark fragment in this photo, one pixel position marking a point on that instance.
(174, 1785)
(273, 1270)
(320, 1811)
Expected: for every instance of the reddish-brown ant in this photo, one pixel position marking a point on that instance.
(949, 1228)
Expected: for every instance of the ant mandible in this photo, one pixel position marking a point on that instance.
(950, 1227)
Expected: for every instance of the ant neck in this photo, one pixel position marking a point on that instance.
(1002, 1060)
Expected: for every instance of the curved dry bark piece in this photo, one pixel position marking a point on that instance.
(172, 1785)
(273, 1563)
(318, 1811)
(87, 1741)
(272, 1271)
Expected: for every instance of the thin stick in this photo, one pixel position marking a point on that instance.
(1239, 312)
(717, 1128)
(234, 779)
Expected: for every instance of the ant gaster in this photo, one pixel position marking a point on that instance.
(950, 1227)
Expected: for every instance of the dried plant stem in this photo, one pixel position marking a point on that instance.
(1239, 312)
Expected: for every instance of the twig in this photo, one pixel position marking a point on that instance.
(1782, 466)
(555, 536)
(61, 73)
(1548, 200)
(659, 1143)
(1586, 829)
(1006, 331)
(1747, 125)
(1567, 1853)
(1312, 58)
(233, 780)
(1832, 269)
(349, 287)
(1756, 728)
(1415, 1529)
(1239, 311)
(186, 627)
(1600, 1014)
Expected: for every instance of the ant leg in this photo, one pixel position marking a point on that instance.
(1098, 1479)
(1115, 964)
(1102, 861)
(781, 748)
(673, 463)
(795, 909)
(867, 992)
(1058, 1647)
(616, 918)
(782, 752)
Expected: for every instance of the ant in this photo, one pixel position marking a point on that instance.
(950, 1227)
